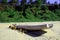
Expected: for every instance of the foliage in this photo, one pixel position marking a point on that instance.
(32, 14)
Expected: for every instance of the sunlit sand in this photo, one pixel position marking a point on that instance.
(9, 34)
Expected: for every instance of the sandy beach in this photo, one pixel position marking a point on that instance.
(50, 34)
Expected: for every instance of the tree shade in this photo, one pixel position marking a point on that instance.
(28, 14)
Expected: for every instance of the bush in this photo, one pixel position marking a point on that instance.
(31, 14)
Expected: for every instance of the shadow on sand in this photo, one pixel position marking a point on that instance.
(35, 33)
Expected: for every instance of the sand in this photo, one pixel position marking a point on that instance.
(9, 34)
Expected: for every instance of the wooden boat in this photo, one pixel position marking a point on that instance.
(31, 27)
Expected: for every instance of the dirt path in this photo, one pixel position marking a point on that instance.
(8, 34)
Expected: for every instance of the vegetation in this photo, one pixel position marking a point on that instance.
(31, 13)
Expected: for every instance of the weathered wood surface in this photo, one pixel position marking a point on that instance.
(34, 27)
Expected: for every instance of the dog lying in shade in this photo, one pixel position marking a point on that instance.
(31, 27)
